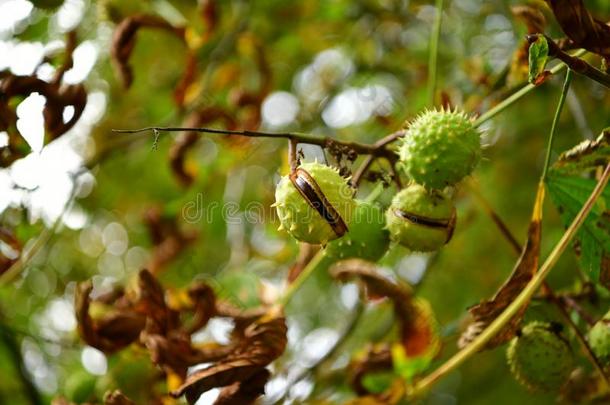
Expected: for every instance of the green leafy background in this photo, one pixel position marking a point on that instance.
(387, 43)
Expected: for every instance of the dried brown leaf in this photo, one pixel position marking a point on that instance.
(203, 305)
(151, 303)
(117, 398)
(209, 15)
(306, 253)
(376, 358)
(244, 392)
(189, 74)
(581, 27)
(10, 254)
(58, 97)
(485, 312)
(176, 352)
(124, 40)
(376, 284)
(263, 342)
(531, 16)
(110, 333)
(417, 325)
(168, 238)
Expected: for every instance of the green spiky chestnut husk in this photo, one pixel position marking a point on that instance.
(599, 340)
(440, 148)
(300, 218)
(367, 237)
(421, 220)
(540, 358)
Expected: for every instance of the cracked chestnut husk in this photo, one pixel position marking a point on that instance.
(421, 220)
(314, 203)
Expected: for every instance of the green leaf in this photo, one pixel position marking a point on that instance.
(538, 57)
(569, 193)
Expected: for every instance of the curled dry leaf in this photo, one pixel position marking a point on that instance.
(244, 392)
(374, 359)
(151, 303)
(248, 102)
(376, 284)
(166, 338)
(175, 351)
(58, 97)
(110, 333)
(209, 15)
(418, 332)
(531, 16)
(159, 318)
(117, 398)
(167, 237)
(487, 311)
(124, 40)
(189, 74)
(581, 27)
(306, 253)
(264, 341)
(203, 305)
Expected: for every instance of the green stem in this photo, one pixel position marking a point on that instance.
(375, 193)
(41, 241)
(433, 57)
(7, 337)
(562, 100)
(500, 322)
(301, 278)
(517, 95)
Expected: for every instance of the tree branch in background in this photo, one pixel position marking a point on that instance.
(357, 177)
(360, 148)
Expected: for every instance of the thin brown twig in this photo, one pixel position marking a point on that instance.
(571, 303)
(396, 176)
(500, 223)
(293, 161)
(362, 169)
(382, 143)
(362, 148)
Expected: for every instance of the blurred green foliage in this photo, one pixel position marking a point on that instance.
(372, 42)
